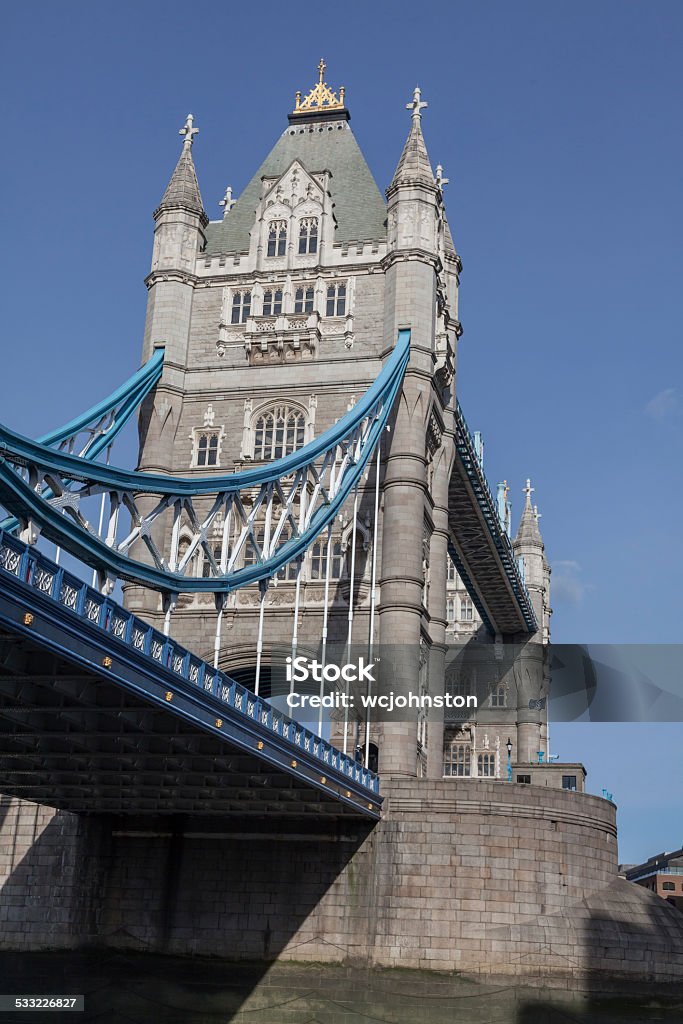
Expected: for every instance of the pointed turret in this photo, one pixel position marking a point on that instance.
(182, 191)
(414, 165)
(528, 545)
(180, 221)
(528, 533)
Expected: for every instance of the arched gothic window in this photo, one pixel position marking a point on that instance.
(319, 558)
(304, 298)
(486, 765)
(279, 431)
(241, 307)
(336, 299)
(277, 238)
(458, 759)
(207, 448)
(207, 568)
(466, 609)
(308, 235)
(499, 697)
(272, 302)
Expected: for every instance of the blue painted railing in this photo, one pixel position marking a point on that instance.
(32, 568)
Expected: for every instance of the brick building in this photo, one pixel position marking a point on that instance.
(662, 874)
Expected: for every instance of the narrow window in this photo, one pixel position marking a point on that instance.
(208, 446)
(277, 238)
(272, 303)
(336, 299)
(319, 559)
(252, 554)
(499, 697)
(466, 609)
(207, 569)
(486, 765)
(241, 307)
(308, 236)
(213, 451)
(303, 299)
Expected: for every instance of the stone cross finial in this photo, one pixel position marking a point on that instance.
(227, 201)
(188, 131)
(528, 490)
(538, 515)
(417, 105)
(440, 181)
(321, 68)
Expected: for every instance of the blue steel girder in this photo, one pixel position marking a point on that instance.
(279, 508)
(93, 432)
(480, 547)
(142, 697)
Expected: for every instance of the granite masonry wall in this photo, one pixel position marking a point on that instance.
(483, 878)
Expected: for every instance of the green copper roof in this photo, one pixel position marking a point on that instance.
(359, 207)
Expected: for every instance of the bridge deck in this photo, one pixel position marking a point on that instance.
(480, 547)
(101, 713)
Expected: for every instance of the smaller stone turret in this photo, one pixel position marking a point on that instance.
(180, 220)
(528, 544)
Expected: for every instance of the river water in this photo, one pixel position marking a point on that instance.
(142, 988)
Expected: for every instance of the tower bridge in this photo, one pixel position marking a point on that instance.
(306, 482)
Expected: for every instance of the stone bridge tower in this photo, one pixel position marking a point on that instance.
(276, 318)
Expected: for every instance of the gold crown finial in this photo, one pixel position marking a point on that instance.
(321, 97)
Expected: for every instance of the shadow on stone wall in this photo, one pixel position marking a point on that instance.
(630, 962)
(191, 889)
(51, 868)
(103, 887)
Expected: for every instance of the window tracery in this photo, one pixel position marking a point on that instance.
(336, 299)
(304, 299)
(279, 431)
(241, 307)
(272, 302)
(308, 236)
(277, 238)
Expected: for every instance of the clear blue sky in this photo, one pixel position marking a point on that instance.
(559, 128)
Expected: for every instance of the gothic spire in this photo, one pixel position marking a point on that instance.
(528, 532)
(182, 191)
(414, 165)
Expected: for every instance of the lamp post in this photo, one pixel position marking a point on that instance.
(509, 746)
